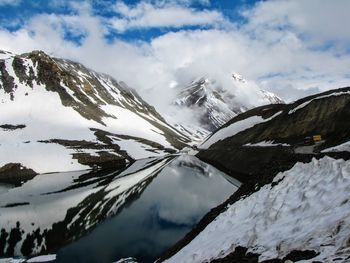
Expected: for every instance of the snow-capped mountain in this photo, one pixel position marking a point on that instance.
(57, 115)
(216, 102)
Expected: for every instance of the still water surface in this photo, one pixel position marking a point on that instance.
(87, 217)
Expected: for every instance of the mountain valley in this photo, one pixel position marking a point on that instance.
(88, 145)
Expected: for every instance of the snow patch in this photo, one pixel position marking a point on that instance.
(266, 144)
(5, 55)
(309, 209)
(235, 128)
(238, 77)
(127, 260)
(345, 147)
(44, 258)
(12, 260)
(137, 150)
(131, 124)
(41, 157)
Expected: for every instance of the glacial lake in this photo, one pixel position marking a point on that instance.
(91, 216)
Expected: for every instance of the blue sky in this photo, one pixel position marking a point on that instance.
(290, 47)
(15, 14)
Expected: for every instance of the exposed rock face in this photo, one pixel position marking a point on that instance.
(8, 127)
(286, 126)
(324, 114)
(58, 104)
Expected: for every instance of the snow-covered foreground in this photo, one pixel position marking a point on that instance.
(43, 258)
(308, 209)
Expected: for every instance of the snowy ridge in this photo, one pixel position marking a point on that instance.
(308, 209)
(63, 107)
(216, 102)
(326, 116)
(304, 104)
(200, 96)
(238, 77)
(5, 54)
(235, 128)
(43, 258)
(196, 133)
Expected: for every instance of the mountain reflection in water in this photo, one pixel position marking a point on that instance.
(104, 216)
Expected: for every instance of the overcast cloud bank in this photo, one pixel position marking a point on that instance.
(292, 48)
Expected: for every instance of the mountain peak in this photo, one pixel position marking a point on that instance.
(5, 54)
(216, 101)
(238, 77)
(80, 117)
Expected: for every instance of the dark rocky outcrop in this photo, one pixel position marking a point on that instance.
(11, 127)
(325, 114)
(7, 82)
(16, 174)
(240, 255)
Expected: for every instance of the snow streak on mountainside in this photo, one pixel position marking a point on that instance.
(344, 147)
(57, 115)
(216, 102)
(196, 133)
(234, 128)
(305, 208)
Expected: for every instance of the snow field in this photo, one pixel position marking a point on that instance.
(309, 209)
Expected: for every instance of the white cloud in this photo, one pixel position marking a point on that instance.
(58, 3)
(317, 20)
(187, 2)
(148, 15)
(10, 2)
(271, 48)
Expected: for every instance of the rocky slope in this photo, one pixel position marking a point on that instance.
(289, 184)
(214, 103)
(57, 115)
(279, 129)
